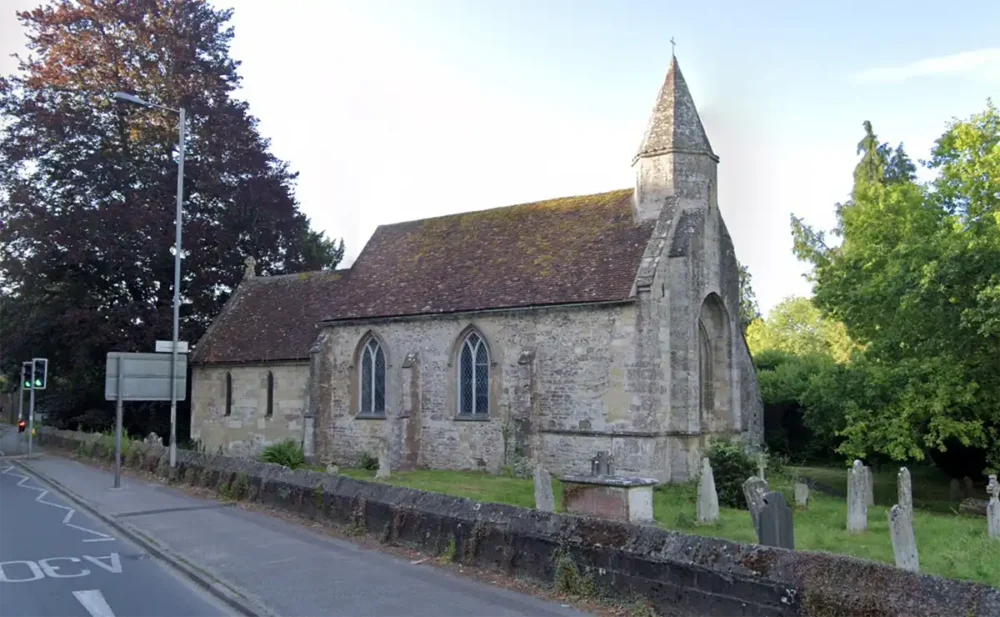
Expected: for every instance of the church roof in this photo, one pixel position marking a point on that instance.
(269, 318)
(674, 125)
(562, 251)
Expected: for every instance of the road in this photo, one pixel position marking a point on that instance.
(56, 561)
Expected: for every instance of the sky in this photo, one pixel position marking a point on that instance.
(394, 110)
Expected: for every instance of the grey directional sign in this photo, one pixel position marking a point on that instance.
(145, 376)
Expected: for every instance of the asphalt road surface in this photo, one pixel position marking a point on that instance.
(56, 561)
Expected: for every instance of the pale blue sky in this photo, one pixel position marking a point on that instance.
(401, 109)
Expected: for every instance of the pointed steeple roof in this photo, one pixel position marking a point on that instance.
(674, 125)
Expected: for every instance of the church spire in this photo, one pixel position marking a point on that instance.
(674, 125)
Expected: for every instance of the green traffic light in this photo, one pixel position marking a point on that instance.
(27, 384)
(38, 382)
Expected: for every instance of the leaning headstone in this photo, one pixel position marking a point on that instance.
(993, 509)
(774, 527)
(869, 487)
(857, 502)
(954, 490)
(708, 499)
(753, 490)
(801, 494)
(904, 543)
(383, 465)
(904, 489)
(970, 488)
(544, 500)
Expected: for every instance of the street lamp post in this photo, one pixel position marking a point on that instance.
(131, 98)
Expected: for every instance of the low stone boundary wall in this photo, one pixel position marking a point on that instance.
(676, 574)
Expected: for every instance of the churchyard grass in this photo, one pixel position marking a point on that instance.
(477, 485)
(930, 485)
(949, 545)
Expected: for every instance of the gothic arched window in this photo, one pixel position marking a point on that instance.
(705, 394)
(474, 376)
(372, 379)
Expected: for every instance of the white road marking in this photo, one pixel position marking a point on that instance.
(15, 571)
(94, 602)
(100, 537)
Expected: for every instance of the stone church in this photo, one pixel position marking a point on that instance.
(548, 330)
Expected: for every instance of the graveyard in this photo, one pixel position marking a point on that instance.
(950, 544)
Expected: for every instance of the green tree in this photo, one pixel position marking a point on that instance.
(795, 326)
(749, 309)
(87, 187)
(915, 280)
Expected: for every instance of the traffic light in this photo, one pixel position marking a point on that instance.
(41, 373)
(20, 426)
(26, 375)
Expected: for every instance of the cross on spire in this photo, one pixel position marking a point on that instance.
(673, 46)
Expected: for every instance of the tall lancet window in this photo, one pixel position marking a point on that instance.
(705, 388)
(474, 377)
(372, 379)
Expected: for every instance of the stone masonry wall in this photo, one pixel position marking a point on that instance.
(247, 429)
(675, 573)
(573, 375)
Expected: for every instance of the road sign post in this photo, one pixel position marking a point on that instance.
(118, 425)
(142, 377)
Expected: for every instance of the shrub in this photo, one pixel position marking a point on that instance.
(287, 453)
(367, 460)
(731, 466)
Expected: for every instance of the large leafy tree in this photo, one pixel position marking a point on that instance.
(749, 309)
(87, 186)
(795, 349)
(797, 327)
(916, 279)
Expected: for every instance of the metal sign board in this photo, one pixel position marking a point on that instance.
(145, 376)
(168, 346)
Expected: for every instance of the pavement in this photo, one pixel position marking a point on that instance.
(56, 561)
(257, 564)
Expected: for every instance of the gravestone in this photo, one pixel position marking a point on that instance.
(754, 490)
(970, 488)
(869, 487)
(774, 527)
(904, 543)
(954, 490)
(708, 499)
(993, 509)
(857, 501)
(383, 464)
(602, 465)
(332, 469)
(904, 489)
(544, 500)
(801, 494)
(761, 465)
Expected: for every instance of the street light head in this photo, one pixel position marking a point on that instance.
(131, 98)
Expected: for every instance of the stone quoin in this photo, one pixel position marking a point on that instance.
(552, 330)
